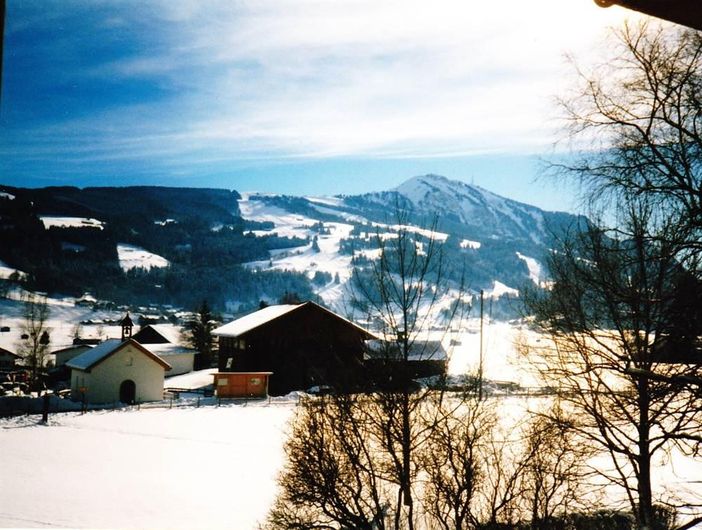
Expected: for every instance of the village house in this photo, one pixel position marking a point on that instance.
(165, 341)
(62, 356)
(8, 359)
(117, 371)
(303, 345)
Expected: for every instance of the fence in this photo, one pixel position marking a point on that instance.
(173, 398)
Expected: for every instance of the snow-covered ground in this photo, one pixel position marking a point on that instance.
(286, 224)
(131, 256)
(500, 289)
(6, 271)
(303, 259)
(535, 270)
(206, 467)
(64, 317)
(71, 222)
(473, 245)
(210, 467)
(501, 356)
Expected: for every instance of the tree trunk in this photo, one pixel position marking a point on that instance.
(645, 510)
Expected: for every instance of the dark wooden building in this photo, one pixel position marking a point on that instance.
(152, 335)
(8, 359)
(304, 345)
(386, 363)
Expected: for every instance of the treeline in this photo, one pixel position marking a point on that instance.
(205, 259)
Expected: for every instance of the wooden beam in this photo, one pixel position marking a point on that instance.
(685, 12)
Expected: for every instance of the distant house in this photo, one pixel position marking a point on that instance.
(60, 372)
(303, 345)
(157, 334)
(117, 371)
(165, 341)
(425, 358)
(62, 356)
(8, 359)
(87, 300)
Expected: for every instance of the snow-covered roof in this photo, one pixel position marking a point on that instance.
(164, 350)
(247, 323)
(192, 380)
(73, 347)
(87, 360)
(262, 316)
(168, 332)
(419, 350)
(3, 351)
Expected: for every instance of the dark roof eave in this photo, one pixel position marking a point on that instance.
(684, 12)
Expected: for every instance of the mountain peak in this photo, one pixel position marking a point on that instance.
(424, 189)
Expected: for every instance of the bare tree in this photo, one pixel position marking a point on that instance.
(555, 472)
(401, 291)
(625, 301)
(34, 348)
(637, 125)
(335, 466)
(608, 313)
(400, 456)
(454, 460)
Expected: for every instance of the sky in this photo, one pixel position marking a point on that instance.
(292, 96)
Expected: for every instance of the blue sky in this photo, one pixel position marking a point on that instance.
(302, 96)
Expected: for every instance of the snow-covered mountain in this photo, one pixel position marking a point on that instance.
(469, 210)
(502, 242)
(178, 246)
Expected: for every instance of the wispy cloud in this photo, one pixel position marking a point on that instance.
(180, 83)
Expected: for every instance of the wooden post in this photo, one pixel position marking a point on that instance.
(480, 365)
(45, 408)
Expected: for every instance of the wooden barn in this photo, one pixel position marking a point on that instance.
(304, 345)
(385, 360)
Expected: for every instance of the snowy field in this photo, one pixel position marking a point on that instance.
(159, 468)
(208, 467)
(6, 271)
(71, 222)
(131, 257)
(64, 315)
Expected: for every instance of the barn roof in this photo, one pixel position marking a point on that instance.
(8, 352)
(418, 350)
(253, 320)
(263, 316)
(168, 334)
(166, 349)
(91, 358)
(73, 347)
